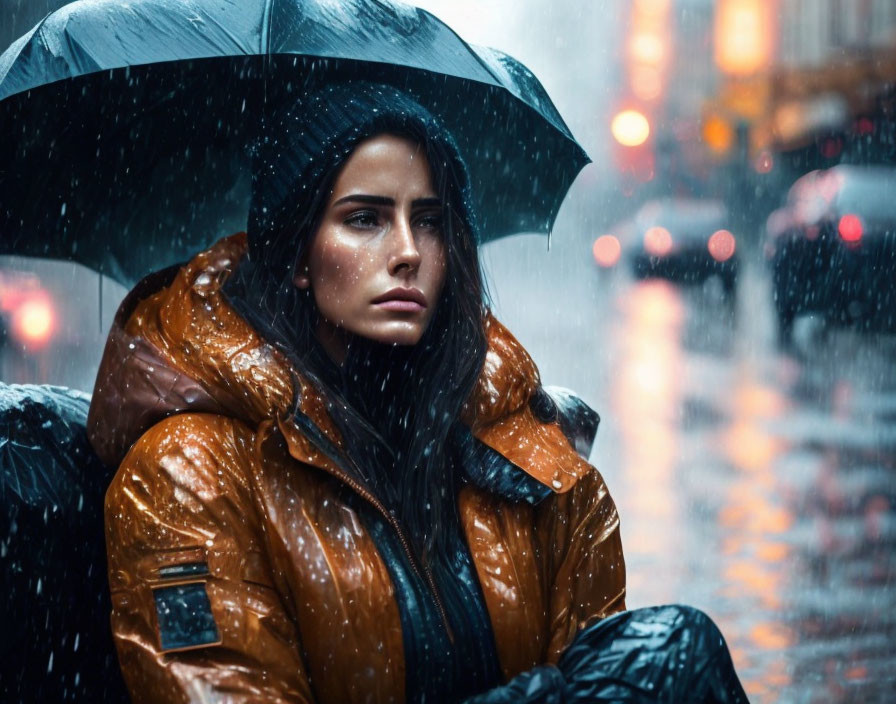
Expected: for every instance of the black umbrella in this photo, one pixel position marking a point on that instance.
(124, 126)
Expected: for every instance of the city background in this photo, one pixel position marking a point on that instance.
(750, 444)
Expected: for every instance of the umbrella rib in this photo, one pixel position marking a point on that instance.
(39, 31)
(266, 20)
(469, 48)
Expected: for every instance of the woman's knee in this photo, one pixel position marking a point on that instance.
(690, 614)
(678, 617)
(699, 620)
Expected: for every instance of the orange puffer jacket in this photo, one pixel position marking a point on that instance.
(238, 570)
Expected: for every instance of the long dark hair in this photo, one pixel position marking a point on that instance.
(397, 408)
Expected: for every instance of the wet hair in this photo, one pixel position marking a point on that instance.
(397, 408)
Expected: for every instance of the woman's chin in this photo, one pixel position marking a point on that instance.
(400, 333)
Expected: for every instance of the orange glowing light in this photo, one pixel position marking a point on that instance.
(750, 577)
(658, 241)
(630, 128)
(773, 552)
(850, 228)
(750, 447)
(606, 251)
(718, 134)
(721, 245)
(33, 321)
(651, 8)
(647, 48)
(744, 34)
(771, 636)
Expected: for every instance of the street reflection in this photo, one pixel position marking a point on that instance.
(646, 399)
(757, 485)
(755, 520)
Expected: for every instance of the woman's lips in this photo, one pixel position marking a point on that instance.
(400, 306)
(401, 300)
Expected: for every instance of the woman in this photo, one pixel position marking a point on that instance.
(341, 479)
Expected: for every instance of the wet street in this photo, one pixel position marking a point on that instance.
(757, 485)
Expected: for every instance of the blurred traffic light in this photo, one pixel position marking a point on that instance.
(648, 50)
(744, 36)
(718, 134)
(630, 128)
(633, 148)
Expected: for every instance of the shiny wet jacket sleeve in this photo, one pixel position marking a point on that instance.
(196, 617)
(577, 533)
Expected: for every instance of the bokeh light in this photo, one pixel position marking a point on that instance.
(721, 245)
(630, 128)
(658, 241)
(606, 251)
(718, 134)
(850, 228)
(33, 322)
(744, 36)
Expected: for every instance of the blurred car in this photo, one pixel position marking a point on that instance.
(832, 247)
(683, 240)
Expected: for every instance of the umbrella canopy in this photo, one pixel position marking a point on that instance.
(125, 126)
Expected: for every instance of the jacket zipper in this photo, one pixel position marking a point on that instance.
(418, 567)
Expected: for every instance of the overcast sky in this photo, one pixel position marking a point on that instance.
(570, 45)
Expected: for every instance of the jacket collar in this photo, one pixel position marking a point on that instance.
(179, 346)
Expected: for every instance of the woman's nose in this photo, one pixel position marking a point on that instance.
(403, 251)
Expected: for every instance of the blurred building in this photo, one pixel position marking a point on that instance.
(743, 96)
(814, 32)
(810, 80)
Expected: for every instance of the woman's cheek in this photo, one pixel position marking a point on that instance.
(437, 256)
(336, 275)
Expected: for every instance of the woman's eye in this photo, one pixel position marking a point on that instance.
(432, 222)
(365, 219)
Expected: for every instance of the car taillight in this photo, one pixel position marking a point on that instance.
(658, 241)
(721, 245)
(850, 228)
(606, 251)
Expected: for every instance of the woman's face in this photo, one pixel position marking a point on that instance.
(376, 264)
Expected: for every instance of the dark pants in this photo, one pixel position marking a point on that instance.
(672, 654)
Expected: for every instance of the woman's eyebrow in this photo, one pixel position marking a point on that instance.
(383, 200)
(369, 200)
